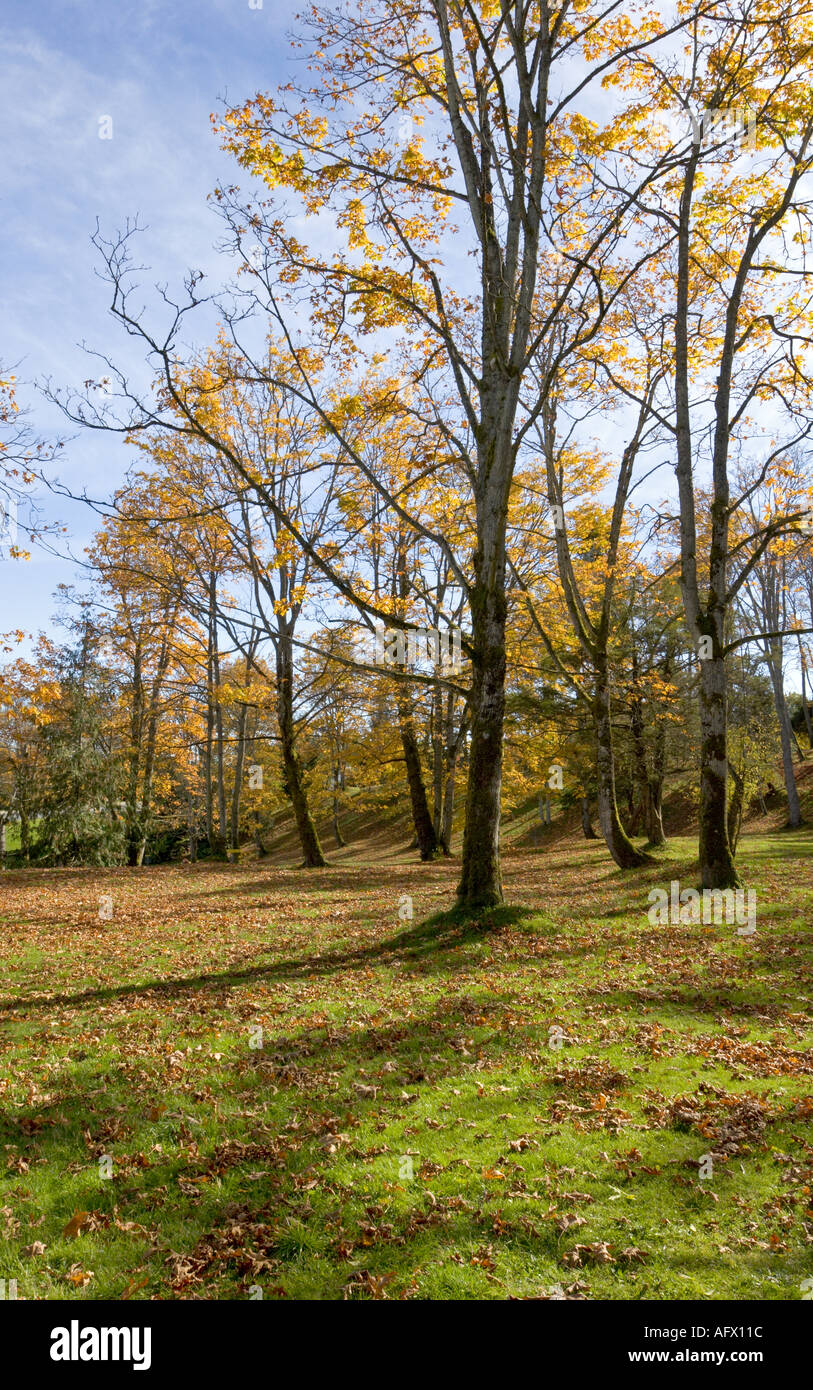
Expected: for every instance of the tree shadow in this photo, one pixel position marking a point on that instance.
(434, 940)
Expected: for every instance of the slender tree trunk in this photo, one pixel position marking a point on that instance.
(192, 826)
(222, 825)
(313, 857)
(262, 852)
(453, 742)
(655, 831)
(437, 762)
(480, 883)
(237, 789)
(134, 835)
(428, 844)
(643, 812)
(736, 807)
(221, 782)
(2, 841)
(207, 768)
(654, 799)
(618, 842)
(587, 825)
(337, 830)
(294, 779)
(144, 820)
(337, 776)
(210, 723)
(717, 867)
(805, 705)
(448, 804)
(214, 735)
(785, 736)
(222, 841)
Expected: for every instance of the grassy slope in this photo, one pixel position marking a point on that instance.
(286, 1167)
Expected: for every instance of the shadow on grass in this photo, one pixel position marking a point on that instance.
(433, 941)
(294, 1161)
(333, 878)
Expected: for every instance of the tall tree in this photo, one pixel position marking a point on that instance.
(739, 324)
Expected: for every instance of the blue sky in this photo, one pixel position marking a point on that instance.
(157, 70)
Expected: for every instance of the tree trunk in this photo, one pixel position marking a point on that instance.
(222, 828)
(717, 869)
(295, 786)
(221, 837)
(207, 769)
(294, 779)
(136, 849)
(262, 852)
(222, 840)
(192, 828)
(655, 831)
(587, 825)
(145, 806)
(134, 835)
(805, 705)
(618, 842)
(437, 762)
(237, 789)
(453, 741)
(736, 807)
(337, 775)
(643, 809)
(240, 756)
(448, 804)
(214, 722)
(428, 844)
(648, 811)
(337, 832)
(480, 883)
(785, 733)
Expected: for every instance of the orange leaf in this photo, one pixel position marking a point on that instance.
(76, 1223)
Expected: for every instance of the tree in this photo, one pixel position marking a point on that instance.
(739, 325)
(501, 94)
(141, 600)
(80, 816)
(764, 602)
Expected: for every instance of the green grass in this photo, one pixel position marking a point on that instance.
(393, 1048)
(12, 837)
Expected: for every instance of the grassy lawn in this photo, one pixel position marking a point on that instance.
(439, 1108)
